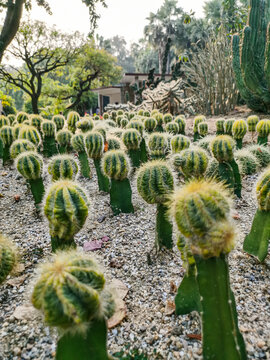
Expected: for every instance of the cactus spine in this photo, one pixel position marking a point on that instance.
(59, 121)
(220, 126)
(155, 183)
(94, 145)
(20, 146)
(201, 211)
(228, 126)
(150, 124)
(252, 121)
(36, 121)
(48, 129)
(62, 167)
(139, 126)
(66, 208)
(74, 282)
(27, 132)
(72, 118)
(180, 121)
(115, 165)
(158, 145)
(179, 143)
(63, 138)
(197, 120)
(30, 166)
(194, 162)
(77, 143)
(263, 130)
(257, 241)
(85, 125)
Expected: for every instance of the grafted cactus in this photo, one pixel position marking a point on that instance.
(228, 126)
(263, 131)
(72, 118)
(29, 133)
(158, 145)
(16, 130)
(159, 119)
(220, 126)
(248, 164)
(239, 130)
(7, 257)
(59, 121)
(132, 140)
(77, 142)
(155, 183)
(124, 122)
(94, 145)
(139, 126)
(252, 121)
(257, 241)
(114, 143)
(167, 118)
(223, 147)
(75, 283)
(172, 127)
(6, 135)
(179, 143)
(30, 166)
(63, 138)
(201, 211)
(62, 167)
(85, 124)
(36, 121)
(48, 129)
(4, 121)
(181, 122)
(150, 124)
(203, 129)
(262, 154)
(20, 146)
(194, 162)
(66, 208)
(11, 118)
(197, 120)
(116, 166)
(21, 117)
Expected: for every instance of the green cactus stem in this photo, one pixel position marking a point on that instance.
(159, 119)
(6, 134)
(48, 129)
(62, 167)
(132, 140)
(77, 143)
(72, 119)
(1, 148)
(158, 145)
(239, 130)
(263, 130)
(257, 241)
(179, 143)
(139, 126)
(220, 126)
(63, 138)
(59, 121)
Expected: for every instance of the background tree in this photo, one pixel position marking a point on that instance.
(13, 13)
(41, 50)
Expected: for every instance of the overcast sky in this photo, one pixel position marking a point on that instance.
(122, 17)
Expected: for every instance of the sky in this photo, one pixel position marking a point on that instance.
(122, 17)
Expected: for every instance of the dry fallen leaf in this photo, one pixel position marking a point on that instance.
(119, 288)
(17, 198)
(18, 269)
(173, 287)
(119, 315)
(17, 281)
(236, 216)
(195, 336)
(169, 308)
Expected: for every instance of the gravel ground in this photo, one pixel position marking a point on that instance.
(124, 257)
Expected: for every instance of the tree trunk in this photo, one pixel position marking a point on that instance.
(34, 101)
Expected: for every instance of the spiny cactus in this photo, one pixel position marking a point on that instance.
(262, 154)
(48, 130)
(62, 167)
(119, 120)
(94, 145)
(29, 133)
(198, 119)
(179, 143)
(239, 130)
(180, 121)
(220, 124)
(257, 241)
(6, 135)
(66, 208)
(74, 282)
(36, 121)
(146, 113)
(248, 164)
(16, 130)
(172, 127)
(114, 143)
(223, 147)
(252, 121)
(20, 146)
(124, 122)
(158, 145)
(194, 162)
(150, 124)
(212, 171)
(205, 143)
(154, 183)
(159, 119)
(132, 140)
(263, 130)
(110, 123)
(11, 118)
(63, 138)
(167, 118)
(85, 124)
(30, 166)
(201, 210)
(7, 257)
(59, 121)
(139, 126)
(77, 142)
(72, 118)
(4, 121)
(100, 128)
(21, 117)
(116, 166)
(203, 129)
(228, 126)
(106, 116)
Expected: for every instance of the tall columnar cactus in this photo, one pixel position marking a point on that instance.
(48, 129)
(251, 57)
(203, 129)
(71, 293)
(77, 143)
(28, 133)
(223, 147)
(21, 117)
(197, 120)
(201, 212)
(72, 118)
(85, 124)
(6, 135)
(252, 121)
(59, 121)
(115, 165)
(66, 208)
(172, 127)
(181, 122)
(194, 162)
(94, 145)
(20, 146)
(158, 145)
(228, 126)
(257, 241)
(132, 141)
(179, 143)
(155, 183)
(139, 126)
(239, 130)
(62, 167)
(30, 166)
(7, 257)
(63, 138)
(220, 126)
(263, 131)
(150, 124)
(36, 121)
